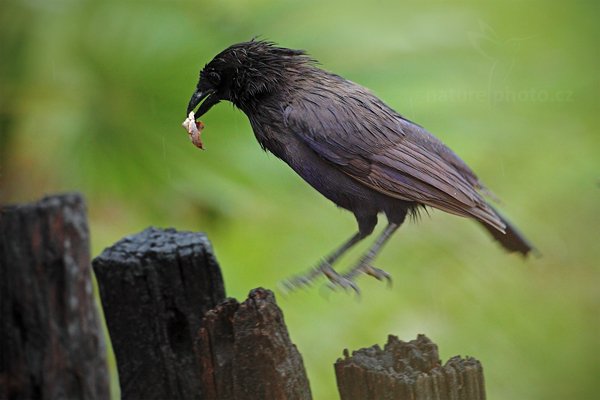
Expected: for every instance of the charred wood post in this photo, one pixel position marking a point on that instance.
(155, 288)
(51, 343)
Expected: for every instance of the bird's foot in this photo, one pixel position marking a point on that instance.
(305, 280)
(297, 282)
(336, 280)
(325, 268)
(364, 267)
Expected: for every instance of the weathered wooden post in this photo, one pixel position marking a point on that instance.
(408, 371)
(155, 288)
(51, 344)
(245, 352)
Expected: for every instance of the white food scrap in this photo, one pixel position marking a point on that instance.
(194, 130)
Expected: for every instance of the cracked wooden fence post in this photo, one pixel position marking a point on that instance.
(51, 343)
(408, 370)
(245, 352)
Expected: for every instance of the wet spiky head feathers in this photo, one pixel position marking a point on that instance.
(253, 68)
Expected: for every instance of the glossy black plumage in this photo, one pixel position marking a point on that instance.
(345, 142)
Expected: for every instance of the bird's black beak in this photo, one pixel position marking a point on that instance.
(197, 97)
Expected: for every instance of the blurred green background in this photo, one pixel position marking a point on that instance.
(93, 95)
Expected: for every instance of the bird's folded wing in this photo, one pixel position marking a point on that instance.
(380, 149)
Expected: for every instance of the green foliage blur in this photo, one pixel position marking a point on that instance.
(93, 94)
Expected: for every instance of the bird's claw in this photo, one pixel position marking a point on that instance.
(366, 268)
(300, 281)
(296, 282)
(337, 280)
(378, 274)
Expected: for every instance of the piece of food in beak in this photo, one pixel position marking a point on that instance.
(194, 130)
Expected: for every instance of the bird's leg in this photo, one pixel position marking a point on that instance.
(325, 268)
(364, 264)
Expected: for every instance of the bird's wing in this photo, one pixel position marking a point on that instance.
(370, 142)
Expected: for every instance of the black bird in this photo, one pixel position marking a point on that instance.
(347, 144)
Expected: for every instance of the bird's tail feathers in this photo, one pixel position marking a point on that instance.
(512, 240)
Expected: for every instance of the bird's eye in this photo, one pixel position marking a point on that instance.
(213, 78)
